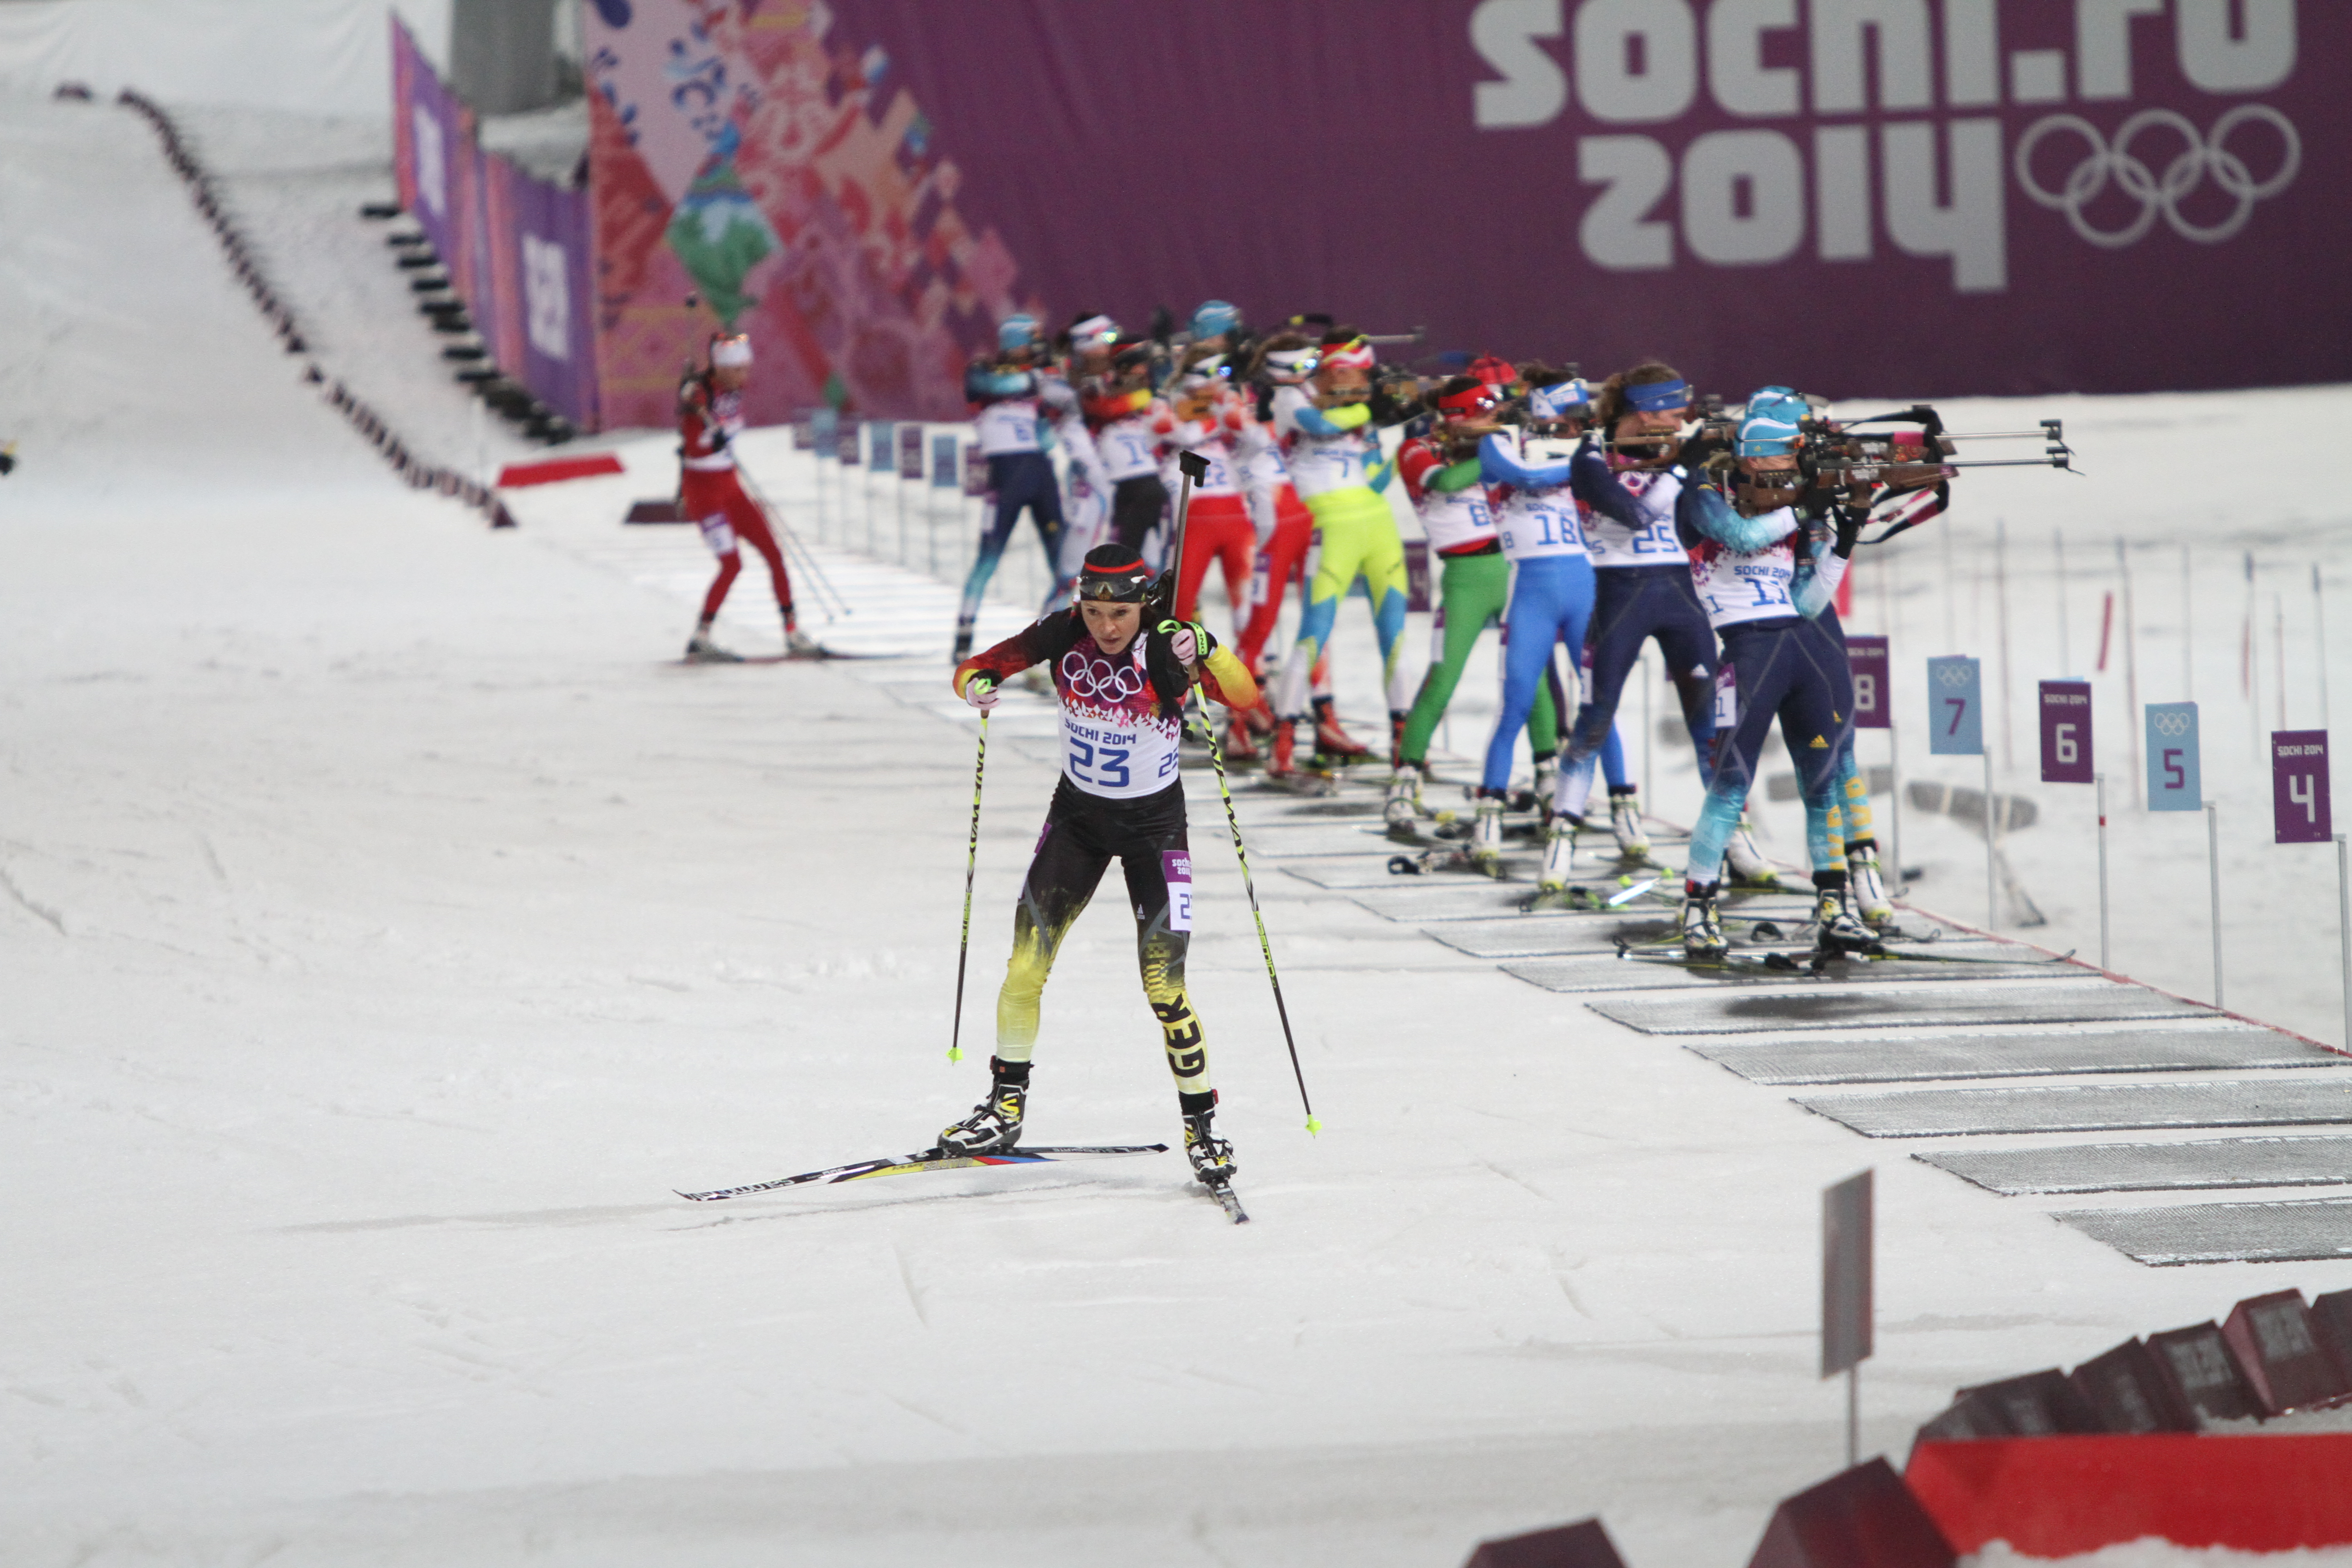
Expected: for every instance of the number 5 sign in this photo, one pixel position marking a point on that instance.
(2066, 731)
(2299, 811)
(1955, 717)
(2173, 783)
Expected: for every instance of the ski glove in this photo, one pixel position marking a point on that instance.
(1849, 520)
(1184, 641)
(981, 692)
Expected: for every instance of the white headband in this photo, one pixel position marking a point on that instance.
(733, 352)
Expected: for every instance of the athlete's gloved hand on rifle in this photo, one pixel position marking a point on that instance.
(981, 692)
(1849, 520)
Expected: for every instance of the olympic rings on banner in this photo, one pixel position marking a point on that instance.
(1956, 675)
(2158, 196)
(2171, 726)
(1098, 679)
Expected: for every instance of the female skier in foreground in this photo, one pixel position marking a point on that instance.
(1122, 686)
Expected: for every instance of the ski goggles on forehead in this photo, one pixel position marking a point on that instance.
(1657, 397)
(1120, 587)
(1566, 401)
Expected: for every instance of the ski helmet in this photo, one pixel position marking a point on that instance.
(1494, 371)
(1116, 573)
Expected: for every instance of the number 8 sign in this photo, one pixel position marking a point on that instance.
(1955, 717)
(2299, 813)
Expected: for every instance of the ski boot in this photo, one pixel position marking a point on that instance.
(1283, 765)
(1702, 930)
(1211, 1156)
(798, 644)
(1403, 805)
(1559, 854)
(1260, 718)
(1332, 743)
(1240, 745)
(1625, 820)
(701, 649)
(1546, 785)
(1486, 837)
(995, 1122)
(1868, 887)
(1746, 862)
(1838, 932)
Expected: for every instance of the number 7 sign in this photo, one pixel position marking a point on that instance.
(2299, 813)
(1956, 703)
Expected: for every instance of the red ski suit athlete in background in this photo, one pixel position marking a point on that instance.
(711, 496)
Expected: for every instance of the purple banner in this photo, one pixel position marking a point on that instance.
(430, 135)
(2299, 793)
(1873, 709)
(911, 451)
(2066, 731)
(1853, 196)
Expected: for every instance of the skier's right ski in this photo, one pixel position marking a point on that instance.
(1226, 1198)
(1773, 962)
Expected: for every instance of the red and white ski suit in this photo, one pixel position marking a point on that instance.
(712, 496)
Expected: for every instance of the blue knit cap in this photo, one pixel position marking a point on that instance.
(1213, 319)
(1018, 331)
(1769, 429)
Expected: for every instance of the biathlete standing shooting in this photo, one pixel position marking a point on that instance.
(1122, 686)
(1444, 475)
(1541, 529)
(1745, 555)
(1330, 435)
(711, 494)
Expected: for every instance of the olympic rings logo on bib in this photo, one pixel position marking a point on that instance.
(2160, 196)
(1097, 680)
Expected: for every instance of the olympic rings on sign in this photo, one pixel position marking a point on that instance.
(1956, 675)
(2171, 726)
(1094, 677)
(2187, 171)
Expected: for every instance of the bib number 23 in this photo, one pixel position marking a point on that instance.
(1105, 766)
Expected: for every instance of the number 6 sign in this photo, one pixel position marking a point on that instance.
(1955, 715)
(2066, 731)
(2299, 813)
(2173, 780)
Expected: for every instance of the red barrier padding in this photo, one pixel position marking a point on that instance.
(1583, 1544)
(547, 473)
(1861, 1518)
(2057, 1497)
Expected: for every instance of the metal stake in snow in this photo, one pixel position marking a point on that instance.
(2344, 927)
(2104, 965)
(1847, 1316)
(2319, 626)
(2213, 862)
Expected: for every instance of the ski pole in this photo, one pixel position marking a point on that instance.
(1193, 467)
(1217, 761)
(970, 860)
(793, 546)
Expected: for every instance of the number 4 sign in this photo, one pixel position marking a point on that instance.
(1954, 720)
(2299, 811)
(2066, 731)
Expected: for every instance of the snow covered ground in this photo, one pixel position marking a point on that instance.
(389, 927)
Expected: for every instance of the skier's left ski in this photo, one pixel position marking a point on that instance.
(928, 1160)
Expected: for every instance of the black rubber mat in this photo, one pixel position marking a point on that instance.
(2299, 1099)
(2294, 1231)
(1585, 973)
(1900, 1059)
(1895, 1007)
(2152, 1167)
